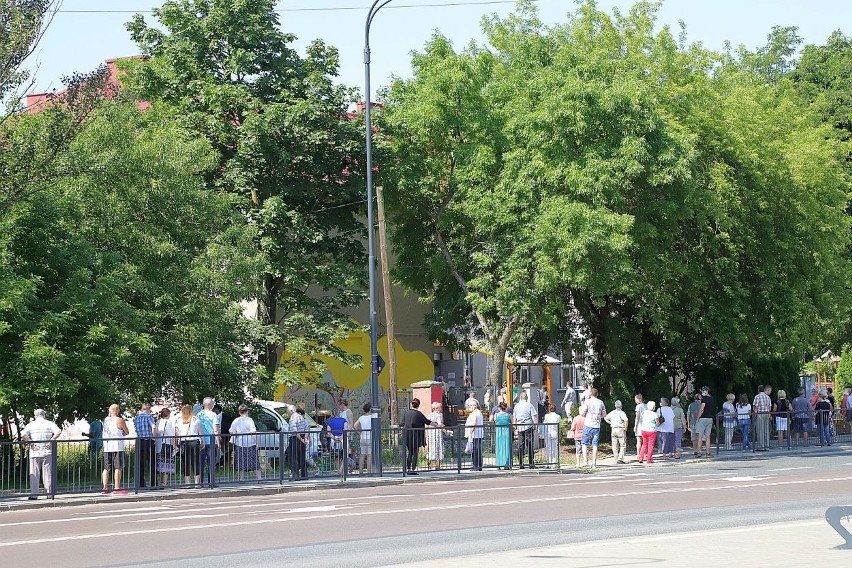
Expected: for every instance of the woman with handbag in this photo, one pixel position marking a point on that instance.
(188, 433)
(165, 446)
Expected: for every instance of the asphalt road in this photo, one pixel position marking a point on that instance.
(464, 522)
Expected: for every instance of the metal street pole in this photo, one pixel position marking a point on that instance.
(376, 424)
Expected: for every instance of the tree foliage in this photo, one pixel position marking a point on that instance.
(121, 281)
(664, 192)
(284, 145)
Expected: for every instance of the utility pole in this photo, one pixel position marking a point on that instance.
(386, 288)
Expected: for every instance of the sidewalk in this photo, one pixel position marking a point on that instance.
(71, 499)
(760, 545)
(605, 465)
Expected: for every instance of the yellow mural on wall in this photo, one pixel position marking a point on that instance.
(411, 366)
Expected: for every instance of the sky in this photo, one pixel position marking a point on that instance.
(87, 32)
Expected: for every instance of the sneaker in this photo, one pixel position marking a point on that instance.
(105, 491)
(32, 498)
(120, 492)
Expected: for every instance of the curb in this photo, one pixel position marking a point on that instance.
(74, 500)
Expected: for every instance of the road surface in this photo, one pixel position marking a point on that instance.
(763, 508)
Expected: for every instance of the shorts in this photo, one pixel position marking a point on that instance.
(780, 424)
(704, 426)
(591, 436)
(114, 460)
(800, 425)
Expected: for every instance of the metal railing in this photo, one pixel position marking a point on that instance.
(79, 466)
(787, 430)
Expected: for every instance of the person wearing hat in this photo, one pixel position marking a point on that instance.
(38, 434)
(704, 424)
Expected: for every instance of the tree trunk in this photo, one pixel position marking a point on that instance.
(266, 310)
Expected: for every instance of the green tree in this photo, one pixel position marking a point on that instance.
(662, 191)
(284, 145)
(122, 280)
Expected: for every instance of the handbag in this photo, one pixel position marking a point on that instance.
(468, 449)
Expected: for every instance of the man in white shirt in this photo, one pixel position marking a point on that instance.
(617, 419)
(525, 418)
(38, 434)
(474, 435)
(593, 412)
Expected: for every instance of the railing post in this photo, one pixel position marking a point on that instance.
(137, 461)
(404, 452)
(559, 447)
(458, 440)
(281, 459)
(212, 456)
(54, 469)
(717, 435)
(345, 460)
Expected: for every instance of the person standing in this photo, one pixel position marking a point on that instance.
(569, 401)
(209, 423)
(679, 426)
(115, 429)
(551, 435)
(637, 422)
(617, 420)
(665, 431)
(705, 421)
(650, 422)
(298, 446)
(243, 433)
(692, 421)
(146, 433)
(335, 430)
(762, 408)
(166, 446)
(435, 437)
(525, 418)
(474, 435)
(593, 411)
(822, 414)
(346, 413)
(96, 439)
(364, 425)
(503, 436)
(744, 419)
(414, 424)
(577, 424)
(782, 414)
(39, 434)
(188, 434)
(801, 416)
(729, 419)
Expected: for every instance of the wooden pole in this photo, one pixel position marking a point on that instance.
(386, 287)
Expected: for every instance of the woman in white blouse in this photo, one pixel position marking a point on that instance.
(244, 437)
(188, 432)
(166, 446)
(650, 422)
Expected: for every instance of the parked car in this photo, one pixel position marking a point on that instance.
(270, 418)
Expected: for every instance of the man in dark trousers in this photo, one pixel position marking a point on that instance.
(414, 423)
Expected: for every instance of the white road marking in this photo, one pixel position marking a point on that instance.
(745, 478)
(793, 468)
(289, 519)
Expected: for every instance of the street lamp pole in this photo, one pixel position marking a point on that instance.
(376, 424)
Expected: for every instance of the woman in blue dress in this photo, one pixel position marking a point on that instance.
(503, 450)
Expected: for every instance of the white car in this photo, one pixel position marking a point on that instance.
(271, 417)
